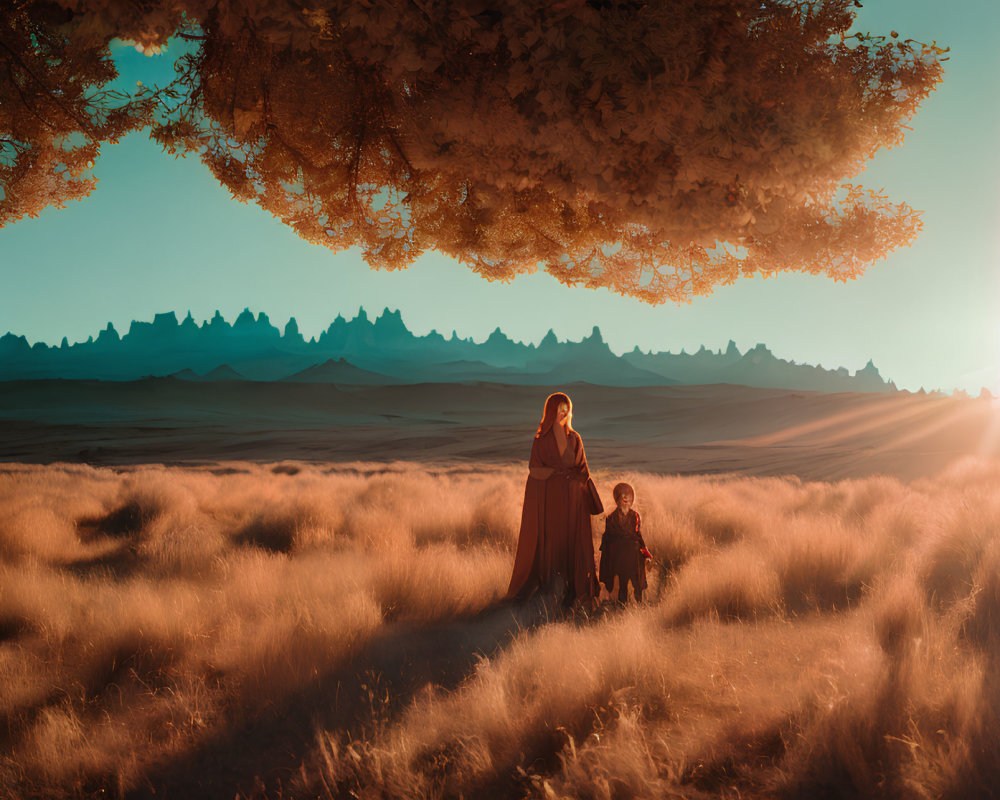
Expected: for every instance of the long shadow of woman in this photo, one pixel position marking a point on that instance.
(261, 751)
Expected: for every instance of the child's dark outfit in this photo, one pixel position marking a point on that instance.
(621, 554)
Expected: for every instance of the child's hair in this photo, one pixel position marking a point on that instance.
(622, 489)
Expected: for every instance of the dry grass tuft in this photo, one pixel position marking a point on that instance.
(732, 585)
(965, 529)
(823, 565)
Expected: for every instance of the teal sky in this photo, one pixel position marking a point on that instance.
(160, 234)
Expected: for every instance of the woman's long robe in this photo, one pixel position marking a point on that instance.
(555, 536)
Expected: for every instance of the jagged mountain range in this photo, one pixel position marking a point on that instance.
(363, 352)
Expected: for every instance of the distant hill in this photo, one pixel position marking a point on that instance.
(186, 375)
(363, 352)
(223, 372)
(340, 371)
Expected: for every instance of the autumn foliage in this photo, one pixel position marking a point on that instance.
(655, 148)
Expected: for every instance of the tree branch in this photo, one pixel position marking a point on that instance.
(24, 100)
(84, 125)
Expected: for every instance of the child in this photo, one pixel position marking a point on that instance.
(623, 552)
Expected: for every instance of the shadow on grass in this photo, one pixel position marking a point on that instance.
(264, 746)
(126, 521)
(119, 563)
(275, 535)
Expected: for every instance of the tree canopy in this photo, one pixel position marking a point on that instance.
(658, 148)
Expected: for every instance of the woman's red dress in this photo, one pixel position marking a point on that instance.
(555, 536)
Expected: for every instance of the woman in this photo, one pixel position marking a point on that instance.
(555, 536)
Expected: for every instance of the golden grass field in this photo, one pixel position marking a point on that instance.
(297, 630)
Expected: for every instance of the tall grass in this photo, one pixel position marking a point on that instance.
(303, 630)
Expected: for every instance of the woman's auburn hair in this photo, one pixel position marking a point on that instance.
(551, 410)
